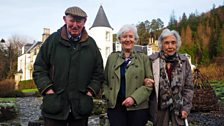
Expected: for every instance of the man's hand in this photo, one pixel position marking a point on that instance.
(89, 94)
(50, 91)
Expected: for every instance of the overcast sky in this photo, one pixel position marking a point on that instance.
(29, 17)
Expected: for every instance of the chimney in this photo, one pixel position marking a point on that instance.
(45, 34)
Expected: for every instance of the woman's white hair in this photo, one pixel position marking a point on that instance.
(127, 28)
(166, 32)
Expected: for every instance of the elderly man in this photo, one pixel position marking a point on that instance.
(68, 72)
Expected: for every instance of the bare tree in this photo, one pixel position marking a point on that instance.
(3, 71)
(9, 55)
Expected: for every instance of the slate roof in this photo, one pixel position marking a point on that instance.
(101, 19)
(33, 46)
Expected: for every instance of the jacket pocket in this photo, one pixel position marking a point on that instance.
(85, 105)
(52, 103)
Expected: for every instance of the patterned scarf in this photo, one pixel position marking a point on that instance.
(170, 90)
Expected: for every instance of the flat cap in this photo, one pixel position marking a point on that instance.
(75, 11)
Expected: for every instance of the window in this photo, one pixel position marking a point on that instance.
(107, 51)
(107, 36)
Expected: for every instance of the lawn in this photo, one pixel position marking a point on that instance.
(7, 99)
(30, 90)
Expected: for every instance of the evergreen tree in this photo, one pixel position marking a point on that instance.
(215, 44)
(173, 22)
(143, 34)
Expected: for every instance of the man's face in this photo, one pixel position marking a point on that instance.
(74, 24)
(169, 45)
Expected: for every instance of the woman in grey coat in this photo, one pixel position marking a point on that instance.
(171, 98)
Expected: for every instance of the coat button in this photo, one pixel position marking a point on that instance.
(136, 77)
(110, 88)
(112, 77)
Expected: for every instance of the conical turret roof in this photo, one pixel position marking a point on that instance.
(101, 19)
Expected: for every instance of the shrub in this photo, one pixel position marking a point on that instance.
(7, 110)
(99, 107)
(7, 87)
(17, 93)
(26, 84)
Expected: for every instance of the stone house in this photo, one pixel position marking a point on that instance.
(27, 58)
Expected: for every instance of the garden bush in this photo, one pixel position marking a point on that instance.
(7, 87)
(26, 84)
(99, 107)
(7, 111)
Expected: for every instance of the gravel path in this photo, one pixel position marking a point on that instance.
(29, 110)
(213, 118)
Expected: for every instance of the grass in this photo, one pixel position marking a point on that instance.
(29, 90)
(7, 99)
(213, 71)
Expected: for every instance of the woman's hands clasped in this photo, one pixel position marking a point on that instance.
(149, 82)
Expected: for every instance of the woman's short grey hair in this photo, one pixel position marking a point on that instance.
(167, 32)
(127, 28)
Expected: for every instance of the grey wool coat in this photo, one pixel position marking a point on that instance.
(187, 85)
